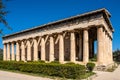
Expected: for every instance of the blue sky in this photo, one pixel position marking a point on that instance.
(24, 14)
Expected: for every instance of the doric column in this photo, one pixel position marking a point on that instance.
(13, 53)
(107, 58)
(80, 47)
(35, 50)
(5, 52)
(23, 51)
(8, 51)
(73, 47)
(100, 38)
(51, 56)
(85, 46)
(17, 51)
(28, 51)
(42, 49)
(108, 53)
(111, 50)
(61, 48)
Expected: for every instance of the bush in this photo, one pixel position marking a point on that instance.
(55, 62)
(40, 61)
(10, 65)
(90, 66)
(50, 69)
(70, 63)
(61, 70)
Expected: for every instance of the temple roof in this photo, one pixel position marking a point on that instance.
(103, 10)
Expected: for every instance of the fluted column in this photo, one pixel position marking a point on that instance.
(80, 46)
(17, 51)
(108, 58)
(100, 38)
(5, 52)
(35, 50)
(13, 53)
(61, 48)
(42, 49)
(111, 54)
(107, 49)
(8, 51)
(85, 46)
(51, 56)
(28, 51)
(23, 51)
(73, 47)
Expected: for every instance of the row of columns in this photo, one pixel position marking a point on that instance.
(102, 45)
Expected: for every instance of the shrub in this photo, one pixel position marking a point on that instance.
(40, 61)
(70, 63)
(90, 66)
(11, 65)
(61, 70)
(55, 62)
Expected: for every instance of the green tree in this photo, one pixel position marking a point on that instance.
(3, 13)
(116, 55)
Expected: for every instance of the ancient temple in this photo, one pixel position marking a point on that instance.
(71, 39)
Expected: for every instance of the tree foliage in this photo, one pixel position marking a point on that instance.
(117, 52)
(116, 55)
(3, 13)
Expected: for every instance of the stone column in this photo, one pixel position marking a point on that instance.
(13, 54)
(23, 51)
(28, 51)
(111, 54)
(61, 48)
(107, 50)
(85, 46)
(5, 52)
(35, 50)
(100, 39)
(17, 51)
(8, 51)
(80, 46)
(42, 49)
(72, 47)
(51, 56)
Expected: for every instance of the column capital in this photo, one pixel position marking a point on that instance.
(60, 33)
(86, 29)
(4, 43)
(18, 41)
(98, 26)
